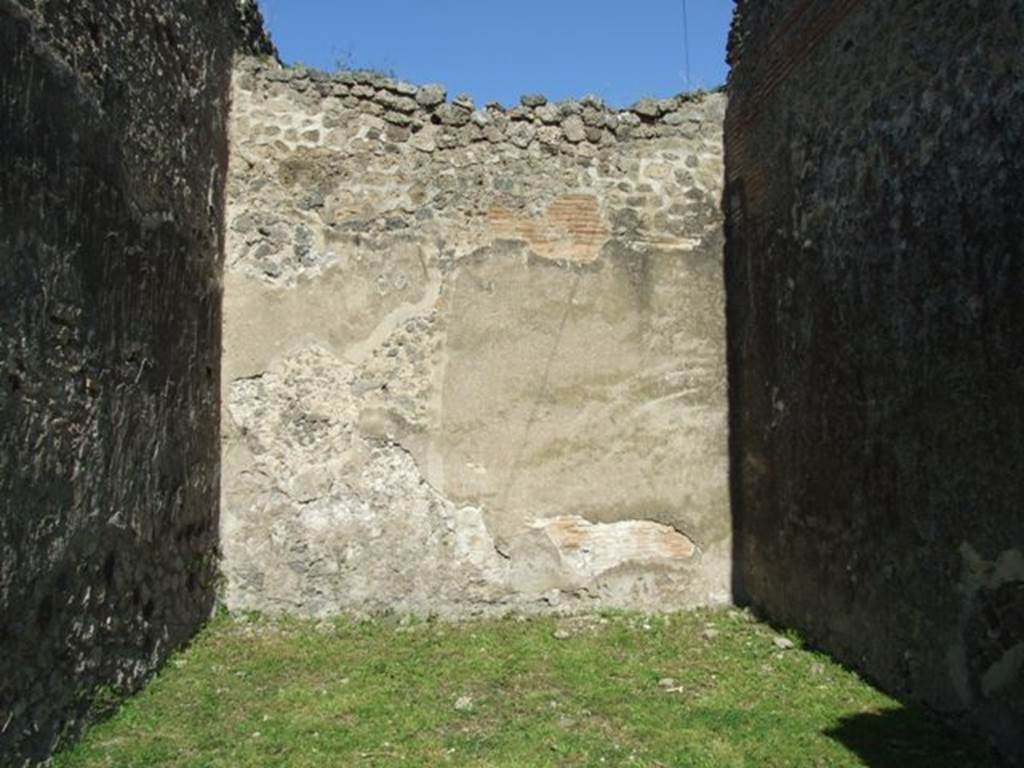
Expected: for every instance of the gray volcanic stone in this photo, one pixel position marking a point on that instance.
(550, 134)
(396, 118)
(519, 113)
(404, 89)
(667, 105)
(278, 75)
(398, 133)
(431, 95)
(650, 108)
(691, 112)
(464, 100)
(714, 107)
(375, 79)
(450, 114)
(573, 129)
(447, 140)
(592, 116)
(522, 134)
(533, 100)
(397, 103)
(783, 643)
(549, 114)
(424, 141)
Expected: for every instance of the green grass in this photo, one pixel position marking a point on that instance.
(694, 689)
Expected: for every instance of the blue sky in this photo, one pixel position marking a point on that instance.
(496, 50)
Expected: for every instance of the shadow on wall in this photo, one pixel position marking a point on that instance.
(733, 199)
(874, 262)
(907, 738)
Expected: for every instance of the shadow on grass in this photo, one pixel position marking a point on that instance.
(907, 738)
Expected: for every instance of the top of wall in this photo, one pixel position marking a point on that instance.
(569, 125)
(253, 35)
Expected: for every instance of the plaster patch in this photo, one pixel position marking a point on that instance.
(591, 549)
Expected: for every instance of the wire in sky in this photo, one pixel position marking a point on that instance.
(686, 43)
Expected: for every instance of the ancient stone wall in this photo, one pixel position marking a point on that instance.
(875, 272)
(474, 358)
(113, 136)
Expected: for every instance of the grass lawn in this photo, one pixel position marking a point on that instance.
(708, 688)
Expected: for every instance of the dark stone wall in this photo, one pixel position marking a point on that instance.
(112, 128)
(875, 277)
